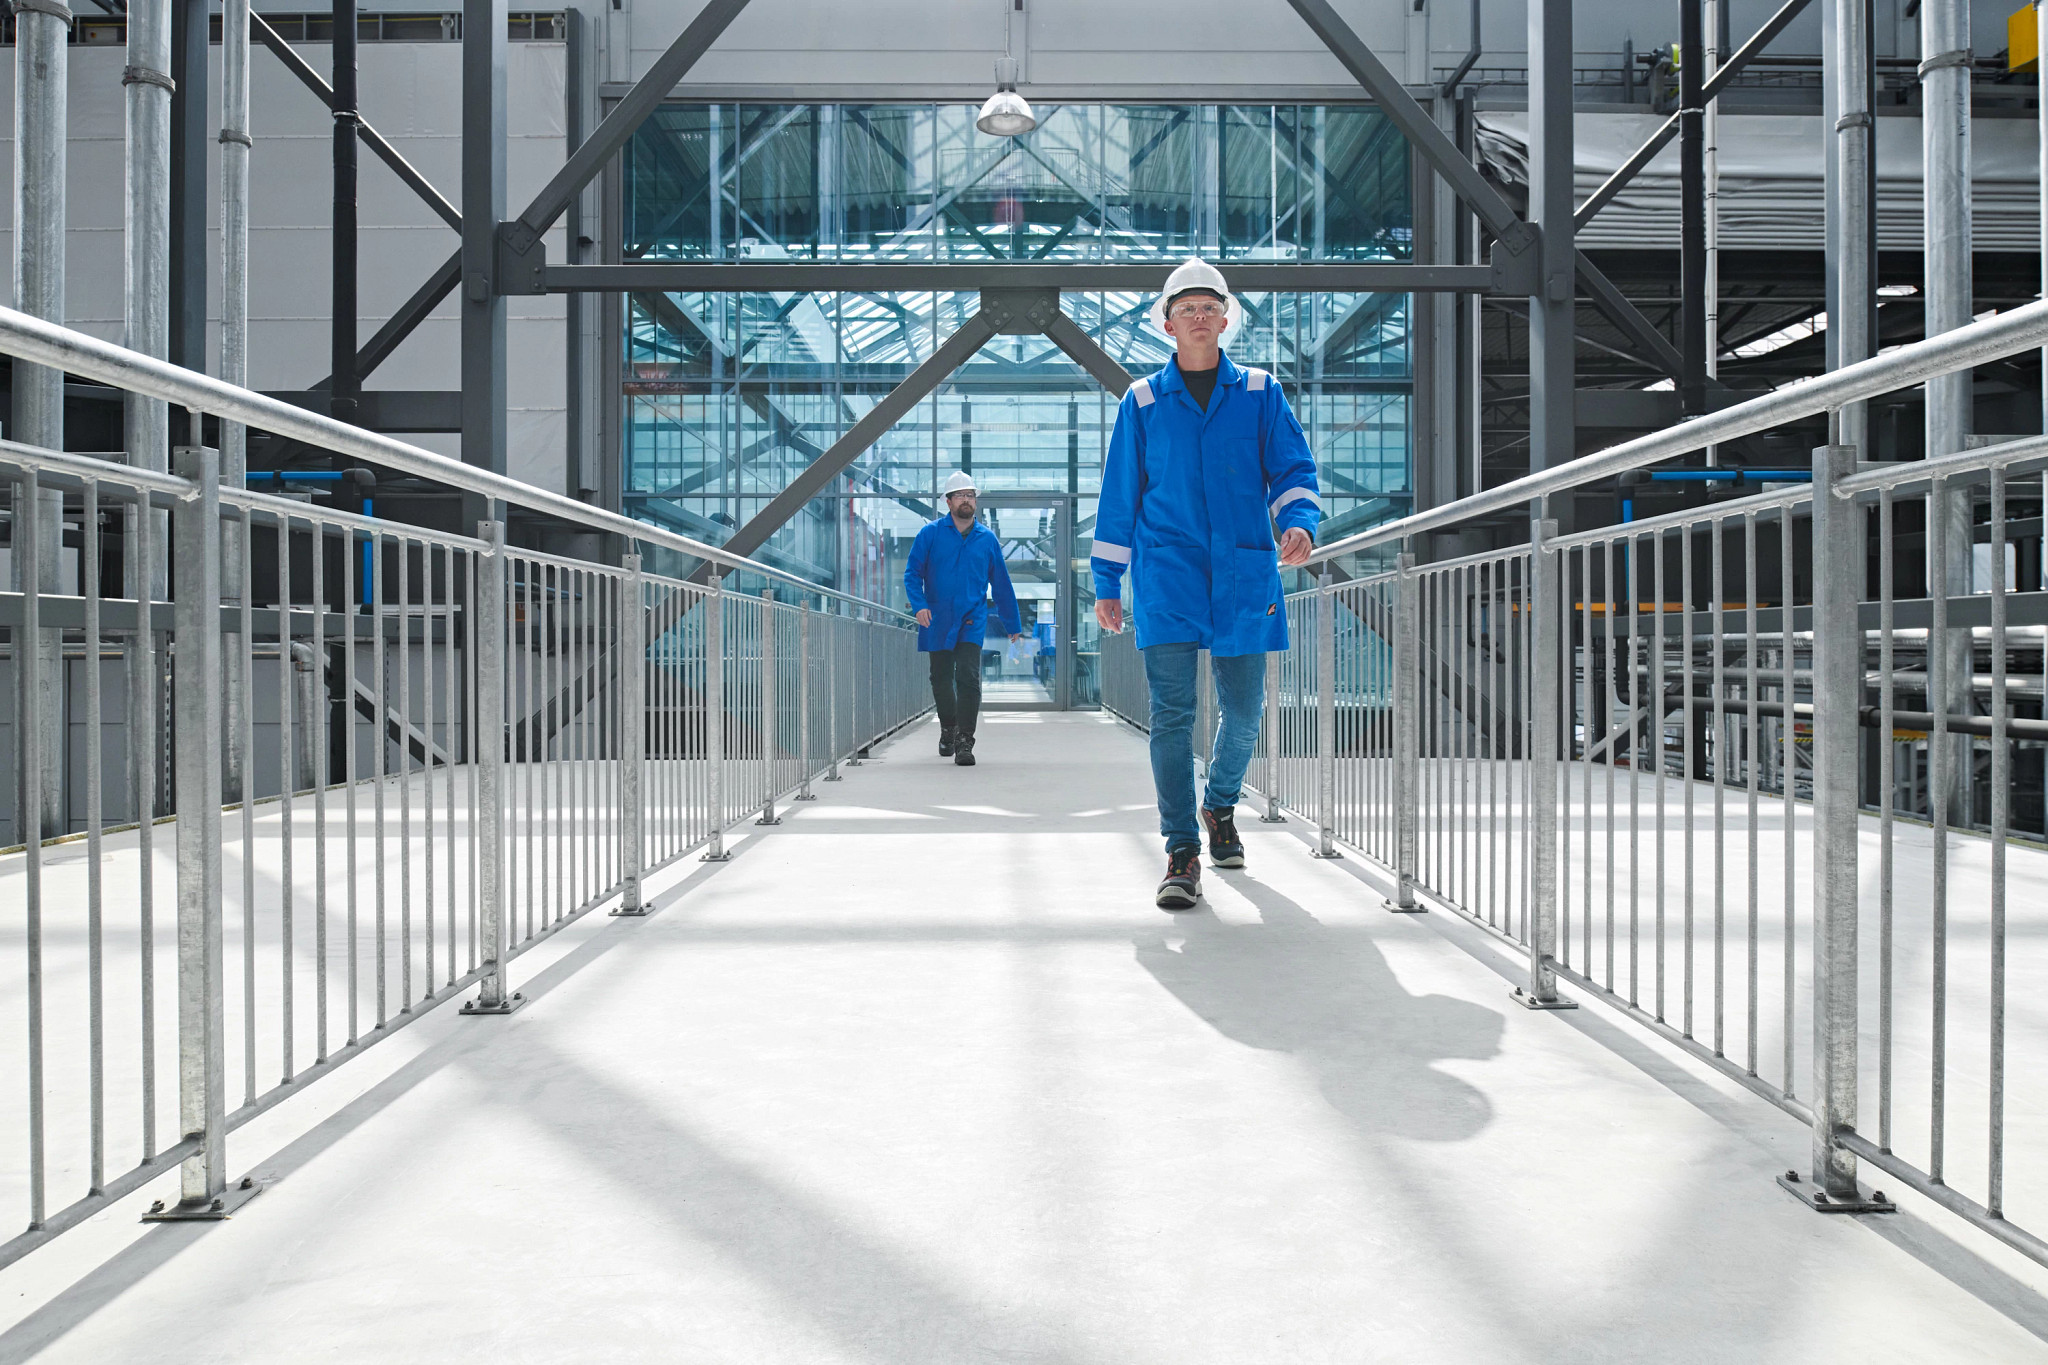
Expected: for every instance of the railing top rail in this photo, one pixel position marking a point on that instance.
(334, 518)
(19, 456)
(1873, 478)
(60, 348)
(2023, 328)
(1687, 516)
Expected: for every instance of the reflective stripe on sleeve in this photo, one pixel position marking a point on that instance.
(1143, 389)
(1255, 379)
(1114, 554)
(1291, 495)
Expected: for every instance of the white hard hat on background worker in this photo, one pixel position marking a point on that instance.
(1195, 274)
(958, 482)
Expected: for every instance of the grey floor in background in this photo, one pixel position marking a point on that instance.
(921, 1076)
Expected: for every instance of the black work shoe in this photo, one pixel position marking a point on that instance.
(1225, 848)
(945, 741)
(963, 751)
(1182, 885)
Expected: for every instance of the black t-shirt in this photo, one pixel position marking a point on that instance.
(1201, 383)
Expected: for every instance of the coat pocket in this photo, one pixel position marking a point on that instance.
(1258, 583)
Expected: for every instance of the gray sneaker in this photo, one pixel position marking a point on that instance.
(1182, 885)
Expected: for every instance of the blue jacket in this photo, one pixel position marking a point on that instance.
(951, 574)
(1190, 500)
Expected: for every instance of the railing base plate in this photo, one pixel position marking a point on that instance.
(769, 820)
(1396, 908)
(1324, 853)
(1272, 819)
(807, 796)
(1530, 1002)
(1820, 1201)
(640, 911)
(505, 1006)
(719, 857)
(209, 1211)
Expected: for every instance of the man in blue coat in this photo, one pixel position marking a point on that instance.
(954, 562)
(1206, 464)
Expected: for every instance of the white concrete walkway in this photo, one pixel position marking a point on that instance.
(921, 1076)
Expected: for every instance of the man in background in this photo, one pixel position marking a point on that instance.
(954, 563)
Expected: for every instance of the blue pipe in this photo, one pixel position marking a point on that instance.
(297, 475)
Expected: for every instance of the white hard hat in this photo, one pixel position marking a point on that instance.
(1195, 273)
(958, 482)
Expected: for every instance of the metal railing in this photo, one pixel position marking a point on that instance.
(328, 772)
(1739, 769)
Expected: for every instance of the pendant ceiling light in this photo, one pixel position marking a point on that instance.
(1005, 113)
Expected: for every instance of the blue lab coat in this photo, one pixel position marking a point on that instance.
(1190, 503)
(951, 574)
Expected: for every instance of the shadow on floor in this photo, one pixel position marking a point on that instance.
(1290, 984)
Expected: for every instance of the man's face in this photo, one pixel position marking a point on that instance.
(961, 504)
(1197, 317)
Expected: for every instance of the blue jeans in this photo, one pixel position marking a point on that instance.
(1240, 695)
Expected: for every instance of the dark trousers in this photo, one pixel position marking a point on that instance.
(956, 686)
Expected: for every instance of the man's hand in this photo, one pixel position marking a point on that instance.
(1015, 638)
(1295, 545)
(1110, 615)
(924, 618)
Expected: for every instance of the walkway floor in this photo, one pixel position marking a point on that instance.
(920, 1076)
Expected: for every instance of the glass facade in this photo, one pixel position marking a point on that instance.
(726, 397)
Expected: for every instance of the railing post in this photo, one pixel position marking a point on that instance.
(1326, 718)
(1546, 697)
(803, 700)
(1407, 753)
(199, 718)
(714, 713)
(1838, 572)
(770, 705)
(1272, 730)
(487, 638)
(632, 738)
(832, 695)
(856, 648)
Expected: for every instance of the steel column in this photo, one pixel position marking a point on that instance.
(147, 292)
(487, 642)
(1552, 308)
(1692, 213)
(1547, 609)
(344, 384)
(632, 737)
(188, 187)
(1326, 718)
(1945, 201)
(1407, 754)
(41, 95)
(483, 204)
(235, 150)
